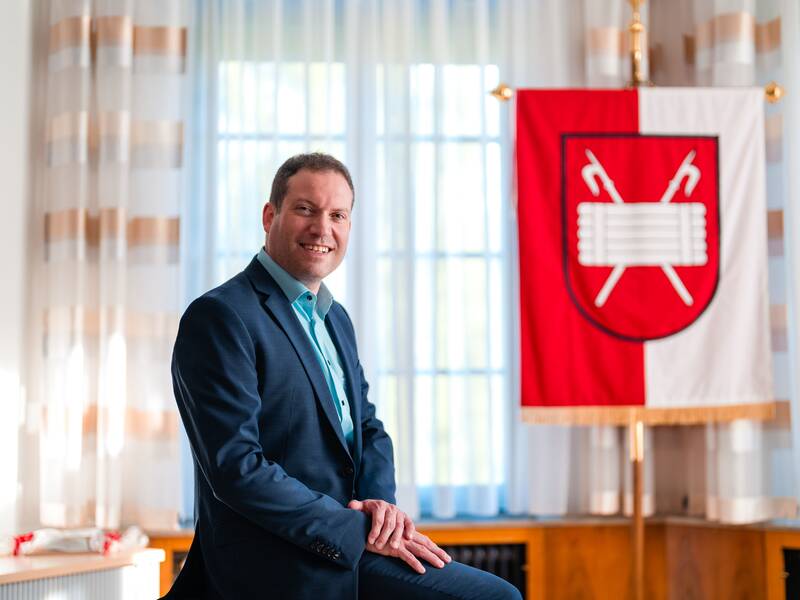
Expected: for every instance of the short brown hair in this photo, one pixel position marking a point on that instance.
(313, 161)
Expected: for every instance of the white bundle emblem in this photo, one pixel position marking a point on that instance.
(642, 234)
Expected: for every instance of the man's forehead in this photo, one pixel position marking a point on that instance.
(301, 186)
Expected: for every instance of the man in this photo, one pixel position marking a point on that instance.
(294, 474)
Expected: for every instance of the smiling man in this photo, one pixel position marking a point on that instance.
(294, 475)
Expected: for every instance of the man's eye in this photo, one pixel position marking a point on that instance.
(303, 209)
(339, 216)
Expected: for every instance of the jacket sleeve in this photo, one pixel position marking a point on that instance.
(216, 388)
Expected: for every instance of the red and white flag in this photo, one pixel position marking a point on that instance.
(643, 250)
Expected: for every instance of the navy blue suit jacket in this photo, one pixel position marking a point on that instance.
(273, 473)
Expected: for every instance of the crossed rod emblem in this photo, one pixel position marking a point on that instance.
(658, 234)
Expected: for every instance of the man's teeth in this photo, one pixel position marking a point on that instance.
(321, 249)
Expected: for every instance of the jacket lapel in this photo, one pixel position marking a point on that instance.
(347, 356)
(279, 307)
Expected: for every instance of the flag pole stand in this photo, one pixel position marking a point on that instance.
(636, 433)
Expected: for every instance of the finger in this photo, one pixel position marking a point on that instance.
(389, 523)
(410, 530)
(441, 554)
(430, 545)
(425, 554)
(377, 522)
(355, 504)
(397, 534)
(411, 561)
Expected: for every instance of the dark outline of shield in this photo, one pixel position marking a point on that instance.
(564, 250)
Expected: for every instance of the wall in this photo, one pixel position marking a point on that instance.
(15, 70)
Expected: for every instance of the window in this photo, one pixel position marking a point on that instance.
(428, 285)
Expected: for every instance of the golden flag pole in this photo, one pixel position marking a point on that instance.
(637, 33)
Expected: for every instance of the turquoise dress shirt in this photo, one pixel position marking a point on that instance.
(310, 310)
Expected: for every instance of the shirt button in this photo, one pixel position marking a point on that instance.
(308, 297)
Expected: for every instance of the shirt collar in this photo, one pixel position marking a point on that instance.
(292, 288)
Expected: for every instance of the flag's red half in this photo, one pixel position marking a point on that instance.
(566, 360)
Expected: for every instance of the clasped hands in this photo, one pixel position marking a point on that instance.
(393, 534)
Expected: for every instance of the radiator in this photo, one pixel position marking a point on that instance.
(507, 561)
(131, 582)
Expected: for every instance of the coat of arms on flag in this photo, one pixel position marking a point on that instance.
(642, 237)
(641, 230)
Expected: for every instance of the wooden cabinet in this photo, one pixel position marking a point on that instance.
(576, 559)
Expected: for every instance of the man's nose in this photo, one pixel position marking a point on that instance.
(321, 225)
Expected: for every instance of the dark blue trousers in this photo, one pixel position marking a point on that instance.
(385, 578)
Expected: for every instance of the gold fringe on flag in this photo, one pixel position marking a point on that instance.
(624, 415)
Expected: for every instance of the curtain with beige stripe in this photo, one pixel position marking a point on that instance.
(745, 474)
(108, 296)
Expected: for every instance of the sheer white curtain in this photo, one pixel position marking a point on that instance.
(745, 474)
(105, 296)
(398, 90)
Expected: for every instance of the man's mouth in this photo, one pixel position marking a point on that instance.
(316, 249)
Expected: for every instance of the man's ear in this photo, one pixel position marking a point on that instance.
(267, 215)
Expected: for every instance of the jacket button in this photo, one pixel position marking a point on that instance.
(347, 471)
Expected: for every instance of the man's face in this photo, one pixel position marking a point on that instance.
(308, 236)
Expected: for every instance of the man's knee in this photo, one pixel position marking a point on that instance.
(486, 586)
(390, 579)
(506, 591)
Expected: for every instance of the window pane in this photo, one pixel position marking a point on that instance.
(497, 314)
(424, 302)
(386, 321)
(395, 197)
(421, 78)
(459, 200)
(326, 98)
(463, 98)
(424, 204)
(424, 431)
(385, 225)
(265, 98)
(491, 75)
(496, 207)
(460, 299)
(291, 98)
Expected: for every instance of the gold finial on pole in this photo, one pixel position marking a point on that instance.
(637, 31)
(773, 92)
(502, 92)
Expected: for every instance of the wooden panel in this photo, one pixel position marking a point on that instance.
(450, 536)
(715, 562)
(595, 563)
(169, 544)
(532, 537)
(774, 543)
